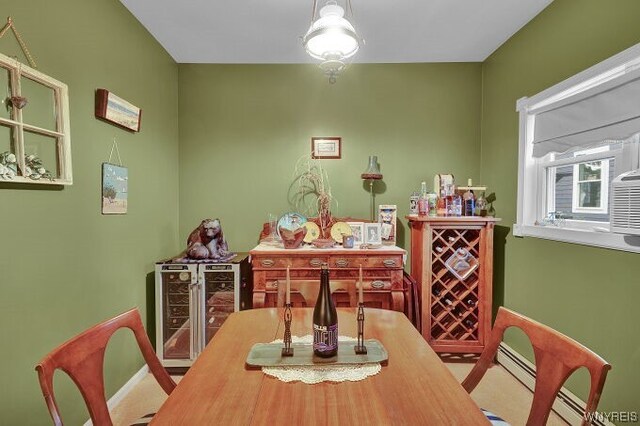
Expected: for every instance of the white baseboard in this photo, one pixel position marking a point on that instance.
(567, 405)
(124, 390)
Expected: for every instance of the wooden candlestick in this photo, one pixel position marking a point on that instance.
(287, 350)
(360, 348)
(288, 296)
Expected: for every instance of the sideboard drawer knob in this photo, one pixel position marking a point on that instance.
(342, 263)
(389, 263)
(267, 262)
(377, 284)
(315, 262)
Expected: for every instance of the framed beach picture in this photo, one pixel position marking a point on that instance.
(372, 233)
(115, 110)
(387, 215)
(357, 230)
(326, 147)
(114, 189)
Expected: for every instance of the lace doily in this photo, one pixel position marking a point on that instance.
(315, 374)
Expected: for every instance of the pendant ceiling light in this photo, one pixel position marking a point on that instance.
(331, 38)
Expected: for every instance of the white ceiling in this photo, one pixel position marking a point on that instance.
(268, 31)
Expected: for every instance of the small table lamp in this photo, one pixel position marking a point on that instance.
(372, 174)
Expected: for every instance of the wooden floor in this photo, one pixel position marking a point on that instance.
(499, 392)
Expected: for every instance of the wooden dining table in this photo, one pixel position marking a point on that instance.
(413, 388)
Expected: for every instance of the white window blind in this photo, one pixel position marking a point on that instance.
(610, 110)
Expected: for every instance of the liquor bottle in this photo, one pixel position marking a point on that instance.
(413, 202)
(469, 200)
(441, 204)
(423, 201)
(325, 319)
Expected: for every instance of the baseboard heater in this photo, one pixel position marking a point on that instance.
(567, 405)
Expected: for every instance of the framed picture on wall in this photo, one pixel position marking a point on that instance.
(372, 234)
(115, 188)
(115, 110)
(326, 148)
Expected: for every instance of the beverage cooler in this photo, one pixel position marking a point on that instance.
(192, 302)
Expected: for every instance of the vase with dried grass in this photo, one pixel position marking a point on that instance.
(310, 192)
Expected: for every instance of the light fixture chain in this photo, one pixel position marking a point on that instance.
(313, 11)
(350, 8)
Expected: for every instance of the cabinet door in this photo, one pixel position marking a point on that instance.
(177, 283)
(455, 291)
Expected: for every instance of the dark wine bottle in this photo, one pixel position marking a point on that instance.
(325, 319)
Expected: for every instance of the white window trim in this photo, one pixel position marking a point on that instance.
(604, 189)
(531, 175)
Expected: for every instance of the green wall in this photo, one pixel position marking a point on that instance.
(64, 266)
(243, 127)
(588, 293)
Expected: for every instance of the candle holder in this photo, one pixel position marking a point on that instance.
(360, 348)
(287, 350)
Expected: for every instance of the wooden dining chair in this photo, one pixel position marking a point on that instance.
(556, 357)
(82, 358)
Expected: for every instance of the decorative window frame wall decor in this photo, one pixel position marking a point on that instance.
(62, 175)
(591, 117)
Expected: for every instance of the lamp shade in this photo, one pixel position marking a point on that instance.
(373, 169)
(331, 36)
(332, 39)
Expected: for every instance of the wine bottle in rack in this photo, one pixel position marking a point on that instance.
(469, 323)
(325, 319)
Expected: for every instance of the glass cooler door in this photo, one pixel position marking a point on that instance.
(178, 282)
(219, 299)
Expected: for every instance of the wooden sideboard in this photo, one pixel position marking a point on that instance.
(382, 271)
(456, 313)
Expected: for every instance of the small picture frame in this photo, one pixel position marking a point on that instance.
(357, 230)
(387, 215)
(115, 110)
(372, 234)
(115, 188)
(326, 148)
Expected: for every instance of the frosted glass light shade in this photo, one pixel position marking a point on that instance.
(331, 36)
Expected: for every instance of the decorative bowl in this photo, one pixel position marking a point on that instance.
(292, 239)
(323, 242)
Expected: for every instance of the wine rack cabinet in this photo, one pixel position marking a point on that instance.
(452, 261)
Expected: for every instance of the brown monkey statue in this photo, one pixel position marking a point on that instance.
(207, 241)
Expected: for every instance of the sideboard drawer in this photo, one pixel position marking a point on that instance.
(273, 262)
(366, 262)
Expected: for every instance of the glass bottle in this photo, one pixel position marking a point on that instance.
(469, 200)
(325, 319)
(413, 202)
(423, 202)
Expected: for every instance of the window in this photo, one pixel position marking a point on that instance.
(35, 144)
(575, 139)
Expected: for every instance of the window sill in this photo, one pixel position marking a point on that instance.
(629, 243)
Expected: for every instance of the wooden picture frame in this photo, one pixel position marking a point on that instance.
(326, 147)
(357, 230)
(115, 110)
(372, 233)
(115, 188)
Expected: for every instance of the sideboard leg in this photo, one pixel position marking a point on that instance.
(258, 299)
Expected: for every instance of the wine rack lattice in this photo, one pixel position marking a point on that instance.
(454, 302)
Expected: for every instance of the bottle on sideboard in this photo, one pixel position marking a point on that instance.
(469, 200)
(413, 202)
(325, 319)
(423, 201)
